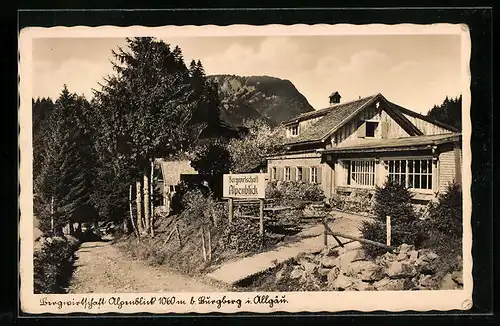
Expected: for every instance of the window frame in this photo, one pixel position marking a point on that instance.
(431, 176)
(285, 174)
(274, 173)
(311, 174)
(364, 174)
(371, 123)
(294, 130)
(297, 169)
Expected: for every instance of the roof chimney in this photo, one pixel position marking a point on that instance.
(335, 98)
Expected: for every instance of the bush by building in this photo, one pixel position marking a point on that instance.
(394, 200)
(444, 225)
(292, 191)
(359, 203)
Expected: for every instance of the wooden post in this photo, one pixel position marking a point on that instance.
(325, 232)
(203, 245)
(170, 235)
(261, 217)
(388, 227)
(178, 235)
(231, 209)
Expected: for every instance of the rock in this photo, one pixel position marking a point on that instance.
(413, 255)
(328, 261)
(329, 251)
(424, 266)
(385, 259)
(308, 266)
(323, 271)
(457, 276)
(279, 275)
(296, 273)
(404, 248)
(362, 286)
(365, 270)
(447, 283)
(426, 282)
(401, 256)
(386, 284)
(341, 282)
(399, 269)
(427, 255)
(343, 260)
(332, 275)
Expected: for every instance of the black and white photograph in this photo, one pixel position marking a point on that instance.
(245, 168)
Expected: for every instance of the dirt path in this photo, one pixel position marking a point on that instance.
(102, 268)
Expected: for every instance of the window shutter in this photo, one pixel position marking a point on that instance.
(362, 130)
(292, 173)
(320, 175)
(280, 173)
(306, 173)
(384, 129)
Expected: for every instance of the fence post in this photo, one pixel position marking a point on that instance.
(261, 217)
(231, 208)
(388, 227)
(325, 232)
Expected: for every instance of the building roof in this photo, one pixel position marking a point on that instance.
(333, 117)
(414, 142)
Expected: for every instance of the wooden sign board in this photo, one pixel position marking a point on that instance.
(245, 185)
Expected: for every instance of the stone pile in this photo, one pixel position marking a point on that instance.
(343, 269)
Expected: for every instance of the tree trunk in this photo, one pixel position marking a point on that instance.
(79, 228)
(136, 232)
(147, 215)
(71, 227)
(138, 202)
(151, 201)
(52, 216)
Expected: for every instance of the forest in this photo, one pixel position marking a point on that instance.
(93, 159)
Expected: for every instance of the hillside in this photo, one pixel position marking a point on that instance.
(271, 98)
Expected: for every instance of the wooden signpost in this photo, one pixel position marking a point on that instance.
(245, 186)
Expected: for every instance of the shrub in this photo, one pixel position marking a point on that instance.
(392, 200)
(359, 203)
(445, 229)
(446, 215)
(242, 236)
(290, 191)
(53, 265)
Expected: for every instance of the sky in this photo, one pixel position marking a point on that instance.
(414, 71)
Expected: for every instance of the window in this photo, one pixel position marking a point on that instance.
(314, 174)
(294, 130)
(299, 173)
(416, 174)
(274, 174)
(370, 128)
(287, 173)
(361, 173)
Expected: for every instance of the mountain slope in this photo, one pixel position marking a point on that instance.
(270, 98)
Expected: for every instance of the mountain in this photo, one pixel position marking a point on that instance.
(273, 99)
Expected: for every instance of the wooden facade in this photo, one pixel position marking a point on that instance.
(370, 144)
